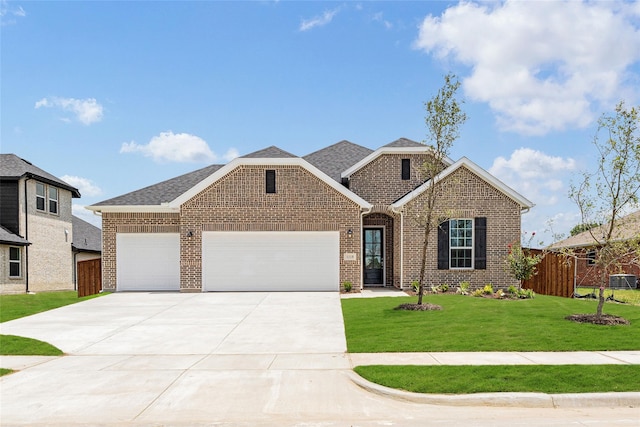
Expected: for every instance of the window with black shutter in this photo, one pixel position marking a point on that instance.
(270, 178)
(456, 238)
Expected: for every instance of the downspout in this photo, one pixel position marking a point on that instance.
(26, 236)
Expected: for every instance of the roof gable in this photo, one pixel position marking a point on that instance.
(86, 237)
(240, 161)
(402, 147)
(486, 176)
(336, 158)
(14, 167)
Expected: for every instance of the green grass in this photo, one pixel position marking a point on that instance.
(21, 305)
(477, 324)
(552, 379)
(11, 345)
(4, 371)
(629, 296)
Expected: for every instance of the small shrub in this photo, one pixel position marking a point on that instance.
(444, 288)
(512, 290)
(435, 289)
(477, 293)
(463, 288)
(347, 286)
(415, 285)
(526, 294)
(488, 289)
(499, 294)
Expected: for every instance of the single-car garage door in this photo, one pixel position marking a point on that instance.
(148, 261)
(271, 261)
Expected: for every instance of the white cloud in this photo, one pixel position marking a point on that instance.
(177, 147)
(536, 175)
(320, 20)
(8, 13)
(379, 17)
(541, 66)
(86, 186)
(86, 111)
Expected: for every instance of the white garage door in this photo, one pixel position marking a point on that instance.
(271, 261)
(148, 261)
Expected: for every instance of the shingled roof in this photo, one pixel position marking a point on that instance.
(14, 167)
(336, 158)
(162, 192)
(627, 228)
(9, 238)
(404, 142)
(86, 237)
(272, 152)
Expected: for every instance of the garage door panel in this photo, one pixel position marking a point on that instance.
(270, 261)
(148, 261)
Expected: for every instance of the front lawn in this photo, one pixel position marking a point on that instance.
(11, 345)
(21, 305)
(553, 379)
(476, 324)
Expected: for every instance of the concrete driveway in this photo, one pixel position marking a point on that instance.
(219, 359)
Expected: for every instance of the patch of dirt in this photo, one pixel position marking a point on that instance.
(418, 307)
(605, 319)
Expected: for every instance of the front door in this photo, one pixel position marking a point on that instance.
(373, 256)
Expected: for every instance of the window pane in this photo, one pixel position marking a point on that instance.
(14, 269)
(53, 193)
(39, 189)
(53, 206)
(14, 254)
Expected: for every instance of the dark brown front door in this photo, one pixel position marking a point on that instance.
(373, 256)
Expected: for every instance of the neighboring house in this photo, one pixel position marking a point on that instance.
(86, 245)
(586, 248)
(273, 221)
(36, 228)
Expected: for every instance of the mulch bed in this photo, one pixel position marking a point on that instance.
(605, 319)
(418, 307)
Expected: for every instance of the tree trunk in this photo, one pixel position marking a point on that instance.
(600, 302)
(423, 263)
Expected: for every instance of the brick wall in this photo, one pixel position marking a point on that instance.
(113, 223)
(467, 196)
(591, 275)
(50, 256)
(238, 202)
(380, 181)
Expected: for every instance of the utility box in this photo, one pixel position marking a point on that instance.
(623, 281)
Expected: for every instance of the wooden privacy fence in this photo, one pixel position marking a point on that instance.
(555, 275)
(89, 277)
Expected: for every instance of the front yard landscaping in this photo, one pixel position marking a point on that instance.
(477, 324)
(468, 324)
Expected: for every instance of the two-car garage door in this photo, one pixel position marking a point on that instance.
(232, 261)
(270, 261)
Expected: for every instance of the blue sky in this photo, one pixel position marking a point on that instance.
(114, 96)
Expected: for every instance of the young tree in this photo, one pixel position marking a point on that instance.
(613, 188)
(444, 117)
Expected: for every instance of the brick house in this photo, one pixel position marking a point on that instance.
(586, 250)
(36, 229)
(273, 221)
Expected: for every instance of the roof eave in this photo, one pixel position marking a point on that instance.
(164, 208)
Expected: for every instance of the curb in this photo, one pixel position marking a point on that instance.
(520, 400)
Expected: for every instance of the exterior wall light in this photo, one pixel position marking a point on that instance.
(350, 233)
(189, 233)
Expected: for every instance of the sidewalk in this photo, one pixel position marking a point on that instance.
(499, 358)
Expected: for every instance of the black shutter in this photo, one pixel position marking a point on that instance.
(480, 230)
(270, 178)
(9, 206)
(443, 246)
(406, 169)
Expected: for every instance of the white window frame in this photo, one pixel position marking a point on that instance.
(42, 197)
(53, 200)
(471, 248)
(15, 261)
(47, 200)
